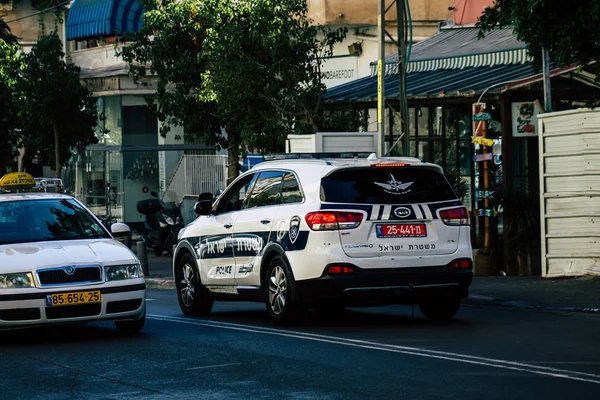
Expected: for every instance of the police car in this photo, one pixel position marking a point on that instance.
(306, 231)
(59, 264)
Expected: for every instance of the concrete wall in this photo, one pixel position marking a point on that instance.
(570, 192)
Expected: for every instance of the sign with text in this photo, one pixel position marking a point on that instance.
(483, 157)
(483, 212)
(338, 70)
(524, 118)
(482, 141)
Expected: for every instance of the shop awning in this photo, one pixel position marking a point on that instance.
(452, 63)
(96, 18)
(466, 82)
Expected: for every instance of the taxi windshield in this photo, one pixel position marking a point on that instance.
(45, 220)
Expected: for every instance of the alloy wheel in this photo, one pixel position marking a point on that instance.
(186, 285)
(277, 290)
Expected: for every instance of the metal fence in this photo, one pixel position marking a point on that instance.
(197, 174)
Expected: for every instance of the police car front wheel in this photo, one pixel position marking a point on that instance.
(194, 298)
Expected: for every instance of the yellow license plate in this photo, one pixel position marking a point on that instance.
(69, 299)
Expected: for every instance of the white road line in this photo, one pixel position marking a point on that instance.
(415, 351)
(213, 366)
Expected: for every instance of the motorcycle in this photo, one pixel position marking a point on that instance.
(162, 223)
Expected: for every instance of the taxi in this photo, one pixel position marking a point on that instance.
(59, 264)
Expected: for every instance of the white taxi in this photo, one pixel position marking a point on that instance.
(59, 264)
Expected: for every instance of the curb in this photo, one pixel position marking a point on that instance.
(160, 283)
(494, 301)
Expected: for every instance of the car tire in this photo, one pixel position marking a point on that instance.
(279, 292)
(194, 299)
(131, 327)
(441, 308)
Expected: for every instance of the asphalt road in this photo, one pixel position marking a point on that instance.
(379, 353)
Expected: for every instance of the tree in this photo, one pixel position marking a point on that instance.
(56, 113)
(569, 31)
(250, 68)
(10, 61)
(5, 34)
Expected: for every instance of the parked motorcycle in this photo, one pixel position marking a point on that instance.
(162, 223)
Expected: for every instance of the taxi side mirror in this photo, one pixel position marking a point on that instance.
(119, 229)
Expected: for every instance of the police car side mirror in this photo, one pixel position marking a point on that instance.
(204, 204)
(119, 229)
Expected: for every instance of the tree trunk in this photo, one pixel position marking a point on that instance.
(233, 165)
(57, 164)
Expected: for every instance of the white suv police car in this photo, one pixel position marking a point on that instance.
(301, 232)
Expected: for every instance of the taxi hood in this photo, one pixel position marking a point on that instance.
(26, 257)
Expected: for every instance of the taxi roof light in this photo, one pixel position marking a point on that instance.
(16, 181)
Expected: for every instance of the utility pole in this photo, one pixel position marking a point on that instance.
(381, 82)
(546, 73)
(403, 103)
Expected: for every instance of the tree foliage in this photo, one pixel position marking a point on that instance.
(569, 30)
(55, 112)
(6, 35)
(10, 63)
(250, 68)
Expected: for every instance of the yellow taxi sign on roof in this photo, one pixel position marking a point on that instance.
(17, 180)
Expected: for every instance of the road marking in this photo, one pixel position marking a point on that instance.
(213, 366)
(415, 351)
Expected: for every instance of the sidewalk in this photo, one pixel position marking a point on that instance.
(531, 292)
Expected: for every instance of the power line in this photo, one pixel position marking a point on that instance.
(37, 13)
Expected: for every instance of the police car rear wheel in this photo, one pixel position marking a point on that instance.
(280, 291)
(194, 298)
(440, 309)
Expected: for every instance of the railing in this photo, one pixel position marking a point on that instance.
(197, 174)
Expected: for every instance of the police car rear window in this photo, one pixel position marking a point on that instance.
(386, 186)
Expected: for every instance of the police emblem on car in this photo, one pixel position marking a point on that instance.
(401, 212)
(294, 228)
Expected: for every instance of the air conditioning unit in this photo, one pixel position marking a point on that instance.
(6, 5)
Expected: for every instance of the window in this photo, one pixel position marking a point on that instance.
(267, 190)
(234, 196)
(290, 189)
(386, 186)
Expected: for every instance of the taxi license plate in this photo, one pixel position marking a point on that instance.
(401, 230)
(72, 298)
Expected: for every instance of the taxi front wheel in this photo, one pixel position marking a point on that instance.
(131, 327)
(194, 298)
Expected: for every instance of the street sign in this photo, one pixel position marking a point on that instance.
(485, 194)
(483, 157)
(482, 141)
(483, 212)
(482, 117)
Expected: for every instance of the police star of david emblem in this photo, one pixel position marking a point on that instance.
(294, 228)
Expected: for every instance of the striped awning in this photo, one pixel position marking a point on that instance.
(460, 47)
(97, 18)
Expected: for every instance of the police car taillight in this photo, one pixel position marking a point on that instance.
(332, 220)
(461, 264)
(455, 216)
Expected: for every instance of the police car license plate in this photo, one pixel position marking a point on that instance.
(72, 298)
(400, 230)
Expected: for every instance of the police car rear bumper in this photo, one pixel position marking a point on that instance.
(385, 286)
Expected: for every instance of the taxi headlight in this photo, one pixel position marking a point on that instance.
(120, 272)
(16, 281)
